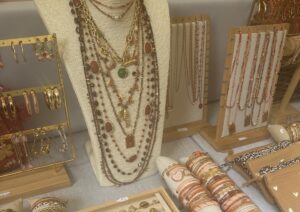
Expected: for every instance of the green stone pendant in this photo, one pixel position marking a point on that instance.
(123, 73)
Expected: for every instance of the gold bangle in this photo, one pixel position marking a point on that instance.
(4, 107)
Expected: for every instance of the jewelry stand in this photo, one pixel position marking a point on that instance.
(242, 130)
(187, 100)
(45, 176)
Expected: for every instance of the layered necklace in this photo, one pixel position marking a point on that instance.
(106, 72)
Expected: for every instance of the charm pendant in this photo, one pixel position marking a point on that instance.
(265, 116)
(247, 121)
(232, 128)
(123, 73)
(130, 141)
(124, 116)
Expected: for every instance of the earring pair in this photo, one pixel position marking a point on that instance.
(28, 105)
(53, 98)
(14, 51)
(8, 107)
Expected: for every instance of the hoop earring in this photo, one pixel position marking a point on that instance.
(12, 107)
(57, 98)
(23, 52)
(27, 103)
(4, 107)
(36, 105)
(14, 52)
(63, 137)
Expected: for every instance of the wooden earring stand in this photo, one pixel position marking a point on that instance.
(213, 134)
(44, 177)
(179, 130)
(283, 111)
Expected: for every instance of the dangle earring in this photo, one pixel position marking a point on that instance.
(45, 143)
(14, 52)
(63, 137)
(22, 51)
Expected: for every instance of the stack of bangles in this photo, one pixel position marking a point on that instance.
(222, 188)
(294, 131)
(189, 190)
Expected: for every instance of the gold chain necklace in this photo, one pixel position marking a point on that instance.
(147, 61)
(113, 6)
(113, 17)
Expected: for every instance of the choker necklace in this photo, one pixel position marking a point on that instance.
(125, 8)
(113, 106)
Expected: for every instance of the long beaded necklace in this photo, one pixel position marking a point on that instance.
(269, 97)
(239, 91)
(259, 76)
(100, 60)
(249, 103)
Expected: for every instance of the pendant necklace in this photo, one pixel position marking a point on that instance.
(101, 66)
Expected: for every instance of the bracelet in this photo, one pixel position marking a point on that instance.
(242, 160)
(270, 169)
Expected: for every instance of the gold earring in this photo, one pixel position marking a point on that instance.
(14, 52)
(12, 107)
(4, 107)
(57, 98)
(23, 52)
(36, 105)
(45, 143)
(27, 103)
(48, 94)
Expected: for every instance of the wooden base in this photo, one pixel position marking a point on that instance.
(229, 142)
(32, 183)
(280, 116)
(183, 131)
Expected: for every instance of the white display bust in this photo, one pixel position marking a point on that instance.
(58, 19)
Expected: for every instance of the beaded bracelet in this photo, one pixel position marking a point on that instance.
(243, 159)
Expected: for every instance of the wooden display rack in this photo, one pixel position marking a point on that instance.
(185, 130)
(213, 134)
(46, 177)
(30, 183)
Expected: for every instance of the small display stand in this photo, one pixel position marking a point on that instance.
(186, 107)
(252, 65)
(34, 137)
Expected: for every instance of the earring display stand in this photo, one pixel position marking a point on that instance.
(46, 148)
(186, 109)
(251, 72)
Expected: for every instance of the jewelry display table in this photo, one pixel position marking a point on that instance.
(86, 192)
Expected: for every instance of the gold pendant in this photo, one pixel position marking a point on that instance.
(124, 116)
(265, 116)
(247, 121)
(232, 128)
